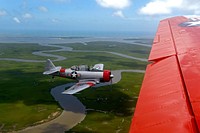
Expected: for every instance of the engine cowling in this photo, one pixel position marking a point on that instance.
(107, 76)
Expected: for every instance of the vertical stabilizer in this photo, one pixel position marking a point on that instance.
(50, 68)
(49, 65)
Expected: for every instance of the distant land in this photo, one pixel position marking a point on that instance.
(56, 33)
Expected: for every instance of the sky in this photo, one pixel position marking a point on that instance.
(91, 15)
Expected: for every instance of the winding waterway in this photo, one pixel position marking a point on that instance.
(73, 110)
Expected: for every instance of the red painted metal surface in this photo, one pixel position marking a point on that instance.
(163, 43)
(169, 99)
(90, 83)
(62, 72)
(106, 75)
(187, 42)
(162, 103)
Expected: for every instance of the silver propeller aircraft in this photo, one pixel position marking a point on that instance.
(86, 76)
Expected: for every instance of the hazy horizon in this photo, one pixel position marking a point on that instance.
(63, 33)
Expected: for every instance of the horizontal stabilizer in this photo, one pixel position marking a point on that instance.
(56, 69)
(50, 68)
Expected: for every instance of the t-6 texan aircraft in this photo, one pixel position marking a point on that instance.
(87, 77)
(169, 100)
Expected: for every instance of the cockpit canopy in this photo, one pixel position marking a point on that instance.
(97, 67)
(81, 68)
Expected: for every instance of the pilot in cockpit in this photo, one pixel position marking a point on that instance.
(74, 68)
(80, 68)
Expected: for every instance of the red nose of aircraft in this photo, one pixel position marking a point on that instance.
(107, 76)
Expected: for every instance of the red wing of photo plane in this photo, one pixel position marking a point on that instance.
(169, 100)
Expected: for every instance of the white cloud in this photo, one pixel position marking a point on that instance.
(116, 4)
(3, 13)
(43, 9)
(17, 20)
(159, 7)
(191, 5)
(119, 14)
(27, 16)
(54, 20)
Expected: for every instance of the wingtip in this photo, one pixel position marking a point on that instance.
(44, 73)
(48, 60)
(67, 93)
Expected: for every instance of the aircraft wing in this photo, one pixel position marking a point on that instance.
(169, 100)
(79, 87)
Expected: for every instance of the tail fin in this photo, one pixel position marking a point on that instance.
(50, 68)
(49, 65)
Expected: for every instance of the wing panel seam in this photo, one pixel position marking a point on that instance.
(182, 78)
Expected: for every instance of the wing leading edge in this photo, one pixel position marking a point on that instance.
(169, 99)
(79, 87)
